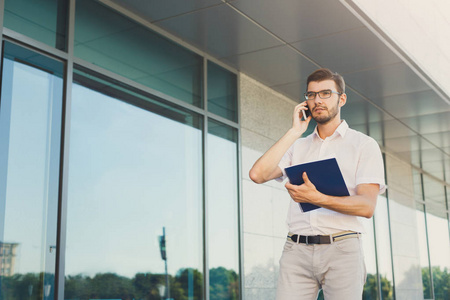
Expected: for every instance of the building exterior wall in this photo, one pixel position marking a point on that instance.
(407, 238)
(265, 116)
(403, 224)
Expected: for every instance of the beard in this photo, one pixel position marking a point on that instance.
(325, 118)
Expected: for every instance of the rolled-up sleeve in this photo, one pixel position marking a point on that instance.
(285, 162)
(370, 166)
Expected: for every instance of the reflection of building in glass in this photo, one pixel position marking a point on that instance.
(8, 253)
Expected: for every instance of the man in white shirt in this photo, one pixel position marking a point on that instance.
(323, 248)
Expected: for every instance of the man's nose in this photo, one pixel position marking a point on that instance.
(317, 99)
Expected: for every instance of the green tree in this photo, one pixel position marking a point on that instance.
(23, 286)
(371, 287)
(441, 283)
(426, 283)
(111, 286)
(370, 291)
(76, 287)
(223, 284)
(190, 281)
(147, 285)
(186, 285)
(386, 289)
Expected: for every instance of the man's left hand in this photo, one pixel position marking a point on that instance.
(304, 193)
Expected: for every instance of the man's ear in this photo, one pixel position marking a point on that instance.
(342, 99)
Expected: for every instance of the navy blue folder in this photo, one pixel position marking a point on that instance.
(324, 174)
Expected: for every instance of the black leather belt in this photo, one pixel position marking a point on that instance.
(322, 239)
(310, 239)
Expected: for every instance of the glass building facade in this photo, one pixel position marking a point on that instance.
(119, 160)
(123, 171)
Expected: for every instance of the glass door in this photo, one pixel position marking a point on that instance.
(30, 134)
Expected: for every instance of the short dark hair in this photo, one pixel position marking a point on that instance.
(327, 74)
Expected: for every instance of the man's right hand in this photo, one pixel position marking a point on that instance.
(298, 125)
(266, 167)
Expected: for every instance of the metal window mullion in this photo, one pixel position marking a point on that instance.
(223, 120)
(422, 185)
(33, 44)
(158, 94)
(379, 285)
(61, 25)
(64, 159)
(383, 139)
(2, 8)
(448, 209)
(240, 195)
(138, 86)
(379, 295)
(389, 225)
(5, 125)
(390, 244)
(446, 199)
(426, 233)
(2, 203)
(205, 183)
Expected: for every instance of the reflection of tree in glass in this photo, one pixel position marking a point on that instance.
(371, 288)
(441, 282)
(187, 284)
(145, 286)
(25, 286)
(223, 284)
(370, 291)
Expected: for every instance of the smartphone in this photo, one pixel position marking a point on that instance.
(306, 113)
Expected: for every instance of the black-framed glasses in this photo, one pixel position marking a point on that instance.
(324, 94)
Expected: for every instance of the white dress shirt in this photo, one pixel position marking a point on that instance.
(360, 160)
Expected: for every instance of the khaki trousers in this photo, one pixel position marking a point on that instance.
(337, 268)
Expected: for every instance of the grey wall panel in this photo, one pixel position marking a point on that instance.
(266, 65)
(348, 51)
(220, 31)
(154, 10)
(294, 20)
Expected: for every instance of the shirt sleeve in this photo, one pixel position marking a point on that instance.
(285, 162)
(371, 166)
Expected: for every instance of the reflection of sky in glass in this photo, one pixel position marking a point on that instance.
(116, 43)
(369, 248)
(382, 234)
(222, 203)
(36, 19)
(421, 233)
(438, 241)
(27, 191)
(131, 173)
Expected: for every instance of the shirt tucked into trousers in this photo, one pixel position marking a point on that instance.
(338, 267)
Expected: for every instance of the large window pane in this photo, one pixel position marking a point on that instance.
(223, 215)
(422, 236)
(371, 287)
(30, 133)
(132, 172)
(222, 92)
(423, 251)
(42, 20)
(438, 237)
(116, 43)
(384, 254)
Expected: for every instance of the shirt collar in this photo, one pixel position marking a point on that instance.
(341, 130)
